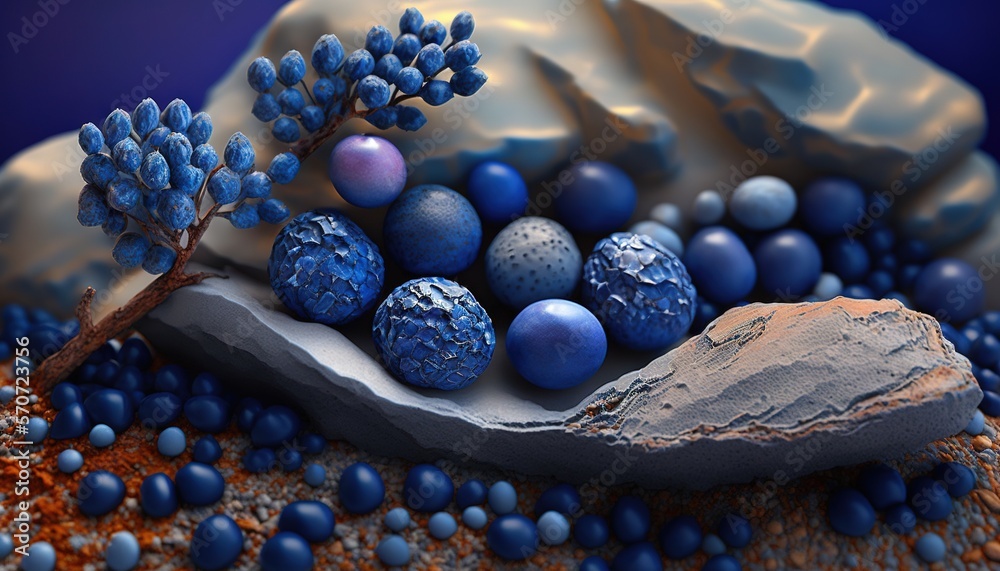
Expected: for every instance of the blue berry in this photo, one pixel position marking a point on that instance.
(959, 479)
(468, 81)
(266, 108)
(99, 170)
(154, 140)
(171, 442)
(388, 67)
(207, 450)
(291, 101)
(411, 21)
(200, 129)
(409, 80)
(117, 126)
(256, 185)
(900, 519)
(239, 154)
(187, 179)
(155, 172)
(327, 54)
(91, 139)
(850, 513)
(93, 210)
(462, 55)
(393, 551)
(556, 344)
(662, 234)
(40, 556)
(283, 168)
(361, 488)
(594, 563)
(286, 130)
(64, 394)
(146, 117)
(397, 519)
(502, 498)
(638, 557)
(553, 528)
(471, 493)
(312, 118)
(931, 548)
(533, 259)
(949, 289)
(433, 32)
(442, 526)
(205, 158)
(274, 426)
(513, 537)
(217, 543)
(882, 485)
(291, 68)
(384, 118)
(831, 205)
(312, 520)
(315, 475)
(379, 41)
(208, 413)
(429, 60)
(127, 155)
(130, 250)
(286, 551)
(406, 47)
(326, 90)
(261, 73)
(432, 230)
(359, 64)
(680, 537)
(498, 191)
(199, 484)
(436, 92)
(722, 562)
(474, 517)
(427, 489)
(410, 118)
(176, 209)
(123, 552)
(69, 461)
(273, 211)
(111, 407)
(639, 290)
(177, 116)
(591, 531)
(224, 186)
(599, 198)
(99, 493)
(71, 422)
(789, 264)
(462, 26)
(763, 203)
(709, 207)
(244, 216)
(159, 410)
(176, 149)
(373, 91)
(446, 349)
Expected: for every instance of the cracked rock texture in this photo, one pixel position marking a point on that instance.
(766, 388)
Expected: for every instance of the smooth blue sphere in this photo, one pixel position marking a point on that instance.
(712, 544)
(850, 512)
(763, 203)
(720, 265)
(431, 230)
(393, 551)
(788, 264)
(900, 519)
(361, 488)
(397, 519)
(99, 493)
(950, 290)
(65, 394)
(991, 403)
(722, 562)
(69, 461)
(502, 498)
(427, 489)
(882, 485)
(102, 436)
(735, 531)
(207, 450)
(593, 197)
(533, 259)
(325, 269)
(709, 207)
(173, 379)
(199, 484)
(158, 495)
(123, 552)
(275, 425)
(6, 544)
(513, 537)
(38, 429)
(442, 526)
(556, 344)
(630, 519)
(471, 493)
(208, 413)
(111, 407)
(562, 498)
(976, 424)
(640, 291)
(260, 460)
(71, 422)
(638, 557)
(474, 517)
(286, 551)
(680, 537)
(41, 557)
(247, 411)
(669, 215)
(828, 286)
(367, 171)
(312, 520)
(930, 547)
(593, 563)
(216, 544)
(171, 442)
(497, 191)
(848, 259)
(553, 528)
(988, 380)
(159, 410)
(315, 475)
(591, 531)
(959, 479)
(828, 205)
(662, 234)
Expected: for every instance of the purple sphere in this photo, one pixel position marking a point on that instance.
(367, 171)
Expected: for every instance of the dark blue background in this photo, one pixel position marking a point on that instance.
(86, 56)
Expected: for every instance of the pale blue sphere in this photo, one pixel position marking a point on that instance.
(171, 442)
(474, 517)
(69, 461)
(102, 436)
(123, 552)
(553, 528)
(662, 234)
(709, 207)
(763, 203)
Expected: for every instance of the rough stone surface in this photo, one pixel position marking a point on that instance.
(859, 380)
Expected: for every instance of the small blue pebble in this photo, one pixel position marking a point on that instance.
(474, 517)
(38, 429)
(735, 530)
(498, 191)
(680, 537)
(720, 265)
(630, 519)
(65, 394)
(662, 234)
(553, 528)
(427, 489)
(260, 460)
(171, 442)
(290, 460)
(591, 531)
(533, 259)
(216, 544)
(6, 544)
(313, 520)
(638, 557)
(393, 551)
(713, 545)
(832, 205)
(600, 197)
(7, 393)
(158, 495)
(928, 498)
(934, 290)
(958, 478)
(70, 461)
(286, 551)
(709, 207)
(207, 450)
(172, 379)
(159, 410)
(275, 425)
(442, 525)
(123, 552)
(206, 384)
(851, 513)
(847, 259)
(361, 489)
(722, 562)
(900, 519)
(41, 556)
(315, 475)
(397, 519)
(111, 407)
(312, 443)
(513, 537)
(594, 563)
(882, 485)
(576, 333)
(930, 547)
(208, 413)
(502, 498)
(471, 493)
(101, 436)
(562, 498)
(763, 203)
(199, 484)
(134, 352)
(246, 413)
(789, 264)
(976, 424)
(99, 493)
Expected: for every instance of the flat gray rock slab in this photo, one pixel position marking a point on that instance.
(767, 391)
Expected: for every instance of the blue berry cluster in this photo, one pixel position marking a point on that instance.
(384, 73)
(147, 174)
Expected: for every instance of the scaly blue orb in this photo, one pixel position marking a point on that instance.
(599, 198)
(533, 259)
(556, 344)
(432, 230)
(720, 265)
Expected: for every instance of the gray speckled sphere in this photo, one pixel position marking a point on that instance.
(533, 259)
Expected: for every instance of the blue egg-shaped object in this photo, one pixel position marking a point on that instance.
(959, 479)
(720, 265)
(442, 526)
(38, 429)
(393, 551)
(206, 450)
(593, 197)
(502, 497)
(432, 333)
(474, 517)
(324, 268)
(680, 537)
(99, 493)
(640, 291)
(830, 206)
(290, 460)
(591, 531)
(950, 290)
(497, 191)
(286, 551)
(216, 544)
(562, 498)
(848, 259)
(556, 344)
(850, 512)
(630, 519)
(158, 495)
(246, 413)
(313, 520)
(275, 425)
(199, 484)
(69, 461)
(638, 557)
(513, 537)
(65, 394)
(134, 352)
(734, 530)
(171, 442)
(533, 259)
(553, 528)
(159, 410)
(123, 552)
(882, 485)
(471, 493)
(361, 488)
(427, 489)
(662, 234)
(111, 407)
(208, 413)
(709, 207)
(173, 379)
(763, 203)
(788, 264)
(40, 556)
(397, 519)
(315, 475)
(431, 230)
(931, 548)
(70, 422)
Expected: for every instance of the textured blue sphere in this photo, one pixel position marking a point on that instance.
(950, 290)
(830, 204)
(763, 203)
(720, 265)
(432, 333)
(324, 268)
(591, 531)
(199, 484)
(216, 544)
(599, 197)
(361, 488)
(367, 171)
(513, 537)
(427, 489)
(286, 551)
(850, 512)
(100, 492)
(533, 259)
(556, 344)
(497, 191)
(158, 495)
(680, 537)
(882, 485)
(638, 557)
(431, 230)
(789, 263)
(630, 519)
(640, 291)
